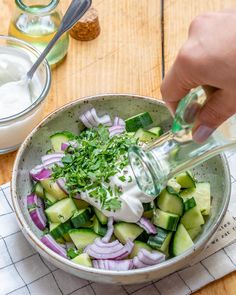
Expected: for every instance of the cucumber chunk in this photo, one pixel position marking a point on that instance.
(202, 196)
(67, 238)
(148, 210)
(194, 232)
(189, 204)
(81, 217)
(181, 241)
(186, 180)
(161, 240)
(156, 130)
(131, 134)
(173, 186)
(98, 228)
(137, 246)
(60, 240)
(192, 218)
(82, 237)
(83, 259)
(142, 120)
(50, 199)
(57, 230)
(168, 221)
(60, 137)
(81, 204)
(100, 216)
(143, 237)
(171, 203)
(38, 190)
(148, 214)
(145, 136)
(127, 231)
(52, 188)
(61, 211)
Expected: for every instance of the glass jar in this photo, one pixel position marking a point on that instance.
(15, 128)
(36, 22)
(175, 151)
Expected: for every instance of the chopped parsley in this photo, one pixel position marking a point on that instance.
(72, 253)
(122, 178)
(89, 165)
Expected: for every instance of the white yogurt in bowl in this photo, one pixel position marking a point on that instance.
(20, 105)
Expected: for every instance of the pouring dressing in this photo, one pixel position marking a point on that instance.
(175, 151)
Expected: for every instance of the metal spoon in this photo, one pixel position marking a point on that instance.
(74, 12)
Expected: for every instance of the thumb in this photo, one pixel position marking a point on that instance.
(219, 107)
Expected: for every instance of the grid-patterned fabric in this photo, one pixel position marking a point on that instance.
(24, 272)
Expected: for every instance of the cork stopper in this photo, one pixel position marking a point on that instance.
(87, 28)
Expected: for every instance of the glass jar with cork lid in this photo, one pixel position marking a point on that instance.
(36, 22)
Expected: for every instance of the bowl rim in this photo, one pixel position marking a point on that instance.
(36, 241)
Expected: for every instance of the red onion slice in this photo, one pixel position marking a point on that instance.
(114, 130)
(52, 156)
(117, 265)
(62, 184)
(64, 146)
(104, 120)
(110, 230)
(139, 264)
(36, 211)
(39, 173)
(146, 258)
(128, 247)
(51, 159)
(114, 250)
(146, 224)
(100, 243)
(85, 121)
(150, 257)
(119, 121)
(53, 245)
(90, 119)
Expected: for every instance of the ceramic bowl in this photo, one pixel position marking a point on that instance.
(37, 143)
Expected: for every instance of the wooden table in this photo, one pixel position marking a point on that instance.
(137, 45)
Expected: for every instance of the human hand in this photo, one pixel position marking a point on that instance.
(207, 58)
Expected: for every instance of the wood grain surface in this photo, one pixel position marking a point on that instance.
(128, 57)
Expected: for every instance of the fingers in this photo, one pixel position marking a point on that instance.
(181, 78)
(218, 108)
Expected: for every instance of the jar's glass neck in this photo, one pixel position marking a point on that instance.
(154, 165)
(37, 7)
(175, 151)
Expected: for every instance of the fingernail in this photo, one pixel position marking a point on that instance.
(202, 133)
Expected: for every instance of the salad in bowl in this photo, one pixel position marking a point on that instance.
(86, 201)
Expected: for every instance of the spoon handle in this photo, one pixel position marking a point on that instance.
(74, 12)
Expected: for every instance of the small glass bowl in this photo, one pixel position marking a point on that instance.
(15, 128)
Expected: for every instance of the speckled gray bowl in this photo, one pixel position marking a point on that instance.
(37, 143)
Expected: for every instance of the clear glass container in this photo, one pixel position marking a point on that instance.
(36, 22)
(15, 128)
(175, 151)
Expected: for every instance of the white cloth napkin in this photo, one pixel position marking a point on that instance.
(23, 271)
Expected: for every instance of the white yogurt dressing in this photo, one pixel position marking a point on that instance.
(19, 95)
(131, 199)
